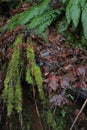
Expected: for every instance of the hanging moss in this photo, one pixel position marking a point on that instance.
(33, 73)
(29, 78)
(36, 72)
(12, 91)
(18, 96)
(10, 100)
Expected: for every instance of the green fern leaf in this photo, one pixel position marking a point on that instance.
(68, 11)
(64, 1)
(84, 21)
(52, 16)
(41, 19)
(75, 13)
(26, 16)
(82, 3)
(33, 12)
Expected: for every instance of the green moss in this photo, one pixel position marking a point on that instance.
(18, 96)
(33, 72)
(29, 78)
(30, 54)
(37, 75)
(51, 121)
(12, 91)
(10, 100)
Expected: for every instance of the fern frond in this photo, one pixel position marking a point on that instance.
(82, 3)
(48, 16)
(42, 35)
(64, 1)
(84, 20)
(32, 12)
(68, 11)
(75, 12)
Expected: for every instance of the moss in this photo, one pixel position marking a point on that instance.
(33, 73)
(18, 96)
(51, 121)
(12, 92)
(29, 78)
(37, 75)
(30, 54)
(10, 100)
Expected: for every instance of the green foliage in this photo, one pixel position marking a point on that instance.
(36, 18)
(12, 92)
(18, 95)
(51, 121)
(84, 20)
(76, 12)
(33, 73)
(48, 17)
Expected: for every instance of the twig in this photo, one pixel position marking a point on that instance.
(36, 107)
(84, 104)
(72, 120)
(21, 121)
(37, 111)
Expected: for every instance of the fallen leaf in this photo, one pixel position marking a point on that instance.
(58, 100)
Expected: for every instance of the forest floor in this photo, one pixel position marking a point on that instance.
(64, 70)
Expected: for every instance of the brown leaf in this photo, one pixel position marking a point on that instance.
(58, 100)
(68, 67)
(64, 83)
(81, 71)
(70, 77)
(53, 82)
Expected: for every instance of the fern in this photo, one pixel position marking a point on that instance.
(82, 3)
(84, 20)
(47, 17)
(36, 18)
(26, 16)
(76, 12)
(68, 11)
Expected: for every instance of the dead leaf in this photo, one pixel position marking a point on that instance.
(58, 100)
(52, 83)
(64, 83)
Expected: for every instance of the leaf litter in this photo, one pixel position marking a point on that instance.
(62, 67)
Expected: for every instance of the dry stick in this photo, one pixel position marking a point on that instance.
(21, 121)
(36, 103)
(84, 104)
(36, 107)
